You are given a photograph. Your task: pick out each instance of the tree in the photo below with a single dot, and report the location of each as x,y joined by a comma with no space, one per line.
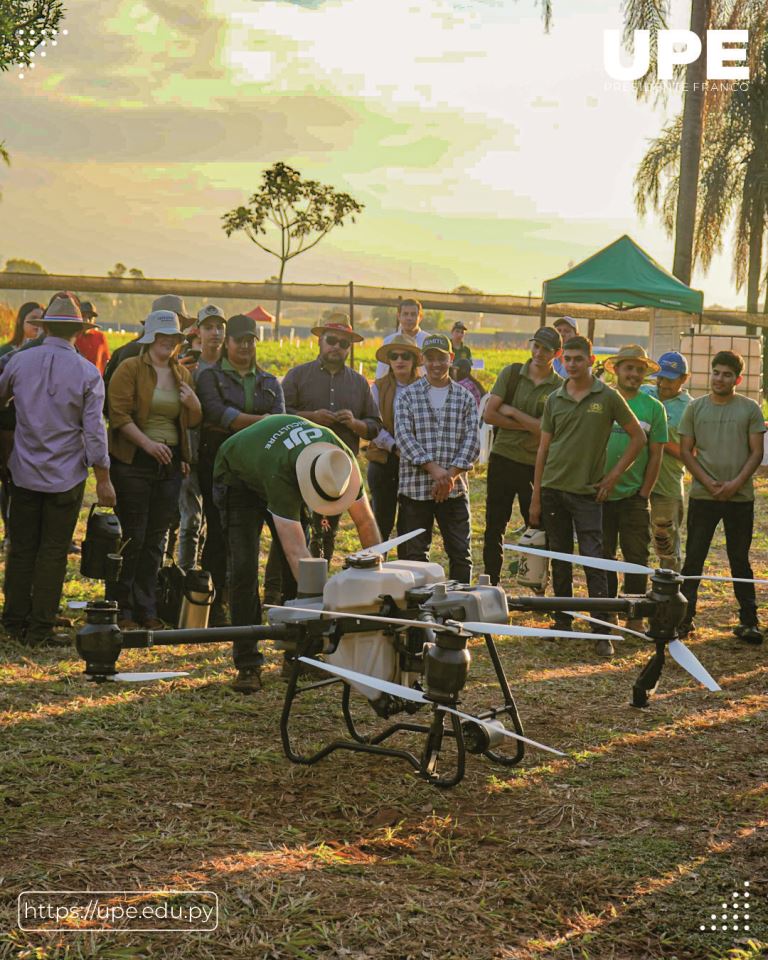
23,266
295,213
733,182
701,101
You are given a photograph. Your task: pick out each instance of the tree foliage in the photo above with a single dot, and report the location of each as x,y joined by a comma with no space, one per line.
733,184
17,265
24,24
289,215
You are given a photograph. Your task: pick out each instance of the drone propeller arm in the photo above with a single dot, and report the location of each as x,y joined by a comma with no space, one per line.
141,639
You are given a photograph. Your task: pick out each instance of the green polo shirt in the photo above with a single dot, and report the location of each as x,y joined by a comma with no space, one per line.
248,381
721,435
580,432
263,457
530,397
670,482
653,420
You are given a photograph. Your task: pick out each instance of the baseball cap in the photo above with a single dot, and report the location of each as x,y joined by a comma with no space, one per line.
459,325
548,337
437,341
570,321
242,326
672,365
211,310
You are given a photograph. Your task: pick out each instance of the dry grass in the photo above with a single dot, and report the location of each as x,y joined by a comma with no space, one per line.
622,850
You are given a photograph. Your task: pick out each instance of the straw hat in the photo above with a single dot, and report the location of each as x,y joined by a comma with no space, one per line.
631,351
337,323
403,341
329,479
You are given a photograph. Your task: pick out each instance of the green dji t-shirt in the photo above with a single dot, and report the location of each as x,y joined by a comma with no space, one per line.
670,482
521,445
580,432
721,435
653,420
263,457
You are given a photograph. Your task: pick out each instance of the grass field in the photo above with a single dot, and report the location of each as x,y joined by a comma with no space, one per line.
621,851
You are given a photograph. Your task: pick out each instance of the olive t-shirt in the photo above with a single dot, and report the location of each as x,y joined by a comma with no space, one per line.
653,420
521,445
263,457
720,433
580,432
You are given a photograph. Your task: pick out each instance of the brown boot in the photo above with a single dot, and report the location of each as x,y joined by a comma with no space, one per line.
247,680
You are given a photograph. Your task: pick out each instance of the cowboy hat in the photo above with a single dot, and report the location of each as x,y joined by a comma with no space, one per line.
337,323
631,351
404,342
329,478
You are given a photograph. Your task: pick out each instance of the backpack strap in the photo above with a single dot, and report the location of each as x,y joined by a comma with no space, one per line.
515,372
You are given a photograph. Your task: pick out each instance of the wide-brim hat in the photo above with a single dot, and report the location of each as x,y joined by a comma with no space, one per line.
63,310
337,323
329,479
161,321
631,351
404,342
174,303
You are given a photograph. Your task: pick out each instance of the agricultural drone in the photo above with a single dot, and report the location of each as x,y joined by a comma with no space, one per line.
396,633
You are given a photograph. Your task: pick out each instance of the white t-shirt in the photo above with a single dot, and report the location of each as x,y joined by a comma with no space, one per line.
437,397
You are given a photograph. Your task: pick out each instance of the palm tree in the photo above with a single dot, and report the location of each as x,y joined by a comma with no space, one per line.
700,102
733,183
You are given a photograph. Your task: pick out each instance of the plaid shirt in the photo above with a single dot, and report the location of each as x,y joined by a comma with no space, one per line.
449,437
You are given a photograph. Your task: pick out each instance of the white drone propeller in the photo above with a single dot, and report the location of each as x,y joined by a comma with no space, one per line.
617,566
387,545
452,626
679,652
416,696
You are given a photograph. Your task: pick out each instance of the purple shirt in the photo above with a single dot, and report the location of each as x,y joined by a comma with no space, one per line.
60,432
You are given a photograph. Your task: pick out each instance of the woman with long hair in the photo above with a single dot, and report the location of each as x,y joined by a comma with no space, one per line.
28,326
152,406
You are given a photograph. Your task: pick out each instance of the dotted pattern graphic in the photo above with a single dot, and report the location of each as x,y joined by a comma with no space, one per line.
735,916
42,43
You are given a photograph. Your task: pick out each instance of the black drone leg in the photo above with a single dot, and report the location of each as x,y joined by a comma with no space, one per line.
433,746
648,680
510,708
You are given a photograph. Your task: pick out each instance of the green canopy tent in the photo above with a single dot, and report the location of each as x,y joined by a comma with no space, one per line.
622,276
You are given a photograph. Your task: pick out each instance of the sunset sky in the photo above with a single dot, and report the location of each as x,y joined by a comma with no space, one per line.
486,152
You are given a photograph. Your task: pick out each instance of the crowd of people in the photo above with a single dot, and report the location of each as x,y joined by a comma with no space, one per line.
197,448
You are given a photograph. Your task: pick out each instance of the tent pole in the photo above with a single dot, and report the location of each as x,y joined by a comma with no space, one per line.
591,329
543,313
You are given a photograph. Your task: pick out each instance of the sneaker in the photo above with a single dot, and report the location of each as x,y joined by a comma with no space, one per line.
749,633
153,624
62,622
686,628
604,648
52,640
637,625
247,680
126,624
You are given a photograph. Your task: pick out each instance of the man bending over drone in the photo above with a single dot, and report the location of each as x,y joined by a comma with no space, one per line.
275,472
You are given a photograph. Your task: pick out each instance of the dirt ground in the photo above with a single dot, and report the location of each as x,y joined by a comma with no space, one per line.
628,848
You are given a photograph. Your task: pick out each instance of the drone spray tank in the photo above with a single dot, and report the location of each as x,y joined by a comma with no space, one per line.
358,588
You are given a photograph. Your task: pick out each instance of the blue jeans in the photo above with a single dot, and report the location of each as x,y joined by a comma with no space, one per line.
147,503
453,519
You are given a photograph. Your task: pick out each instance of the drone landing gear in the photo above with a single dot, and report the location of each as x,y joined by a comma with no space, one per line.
648,680
478,736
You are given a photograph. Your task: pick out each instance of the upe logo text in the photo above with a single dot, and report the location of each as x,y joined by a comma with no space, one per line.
677,48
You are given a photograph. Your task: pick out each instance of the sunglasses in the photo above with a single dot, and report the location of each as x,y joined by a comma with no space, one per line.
337,342
396,355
